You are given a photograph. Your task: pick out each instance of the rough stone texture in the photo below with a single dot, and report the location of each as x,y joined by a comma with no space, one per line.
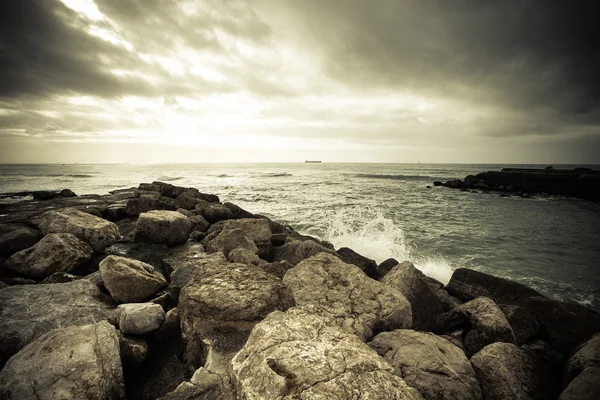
243,256
483,321
505,371
238,212
435,367
150,253
584,356
130,281
229,240
185,212
366,265
257,229
186,201
213,212
586,386
386,266
148,201
524,324
296,250
134,350
160,226
14,237
199,224
170,326
78,362
139,318
425,304
301,355
360,304
56,252
279,268
29,311
60,277
97,232
221,305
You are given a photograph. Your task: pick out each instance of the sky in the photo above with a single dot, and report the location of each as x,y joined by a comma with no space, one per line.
94,81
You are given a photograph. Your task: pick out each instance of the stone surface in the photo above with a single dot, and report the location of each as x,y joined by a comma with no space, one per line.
129,280
432,365
386,266
150,253
243,256
360,304
60,277
148,201
425,303
227,241
296,250
139,318
161,226
257,229
366,265
29,311
483,322
586,386
198,223
586,355
97,232
279,268
56,252
133,350
213,212
301,355
524,325
15,237
78,362
505,371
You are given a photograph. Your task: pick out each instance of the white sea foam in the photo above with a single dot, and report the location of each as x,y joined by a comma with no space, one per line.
368,232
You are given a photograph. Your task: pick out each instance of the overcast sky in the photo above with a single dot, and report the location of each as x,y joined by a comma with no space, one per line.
289,80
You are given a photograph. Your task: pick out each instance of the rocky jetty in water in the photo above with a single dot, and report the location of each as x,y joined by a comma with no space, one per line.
582,183
165,292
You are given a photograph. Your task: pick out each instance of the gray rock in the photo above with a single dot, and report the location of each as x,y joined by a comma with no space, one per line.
299,354
199,224
172,191
97,232
386,266
586,386
296,250
139,318
78,362
360,304
147,202
238,212
129,280
29,311
226,241
425,303
435,367
366,265
213,212
186,201
14,237
483,321
506,371
257,229
160,226
243,256
586,355
56,252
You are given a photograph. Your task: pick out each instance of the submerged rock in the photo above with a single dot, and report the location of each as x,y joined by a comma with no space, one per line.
160,226
129,280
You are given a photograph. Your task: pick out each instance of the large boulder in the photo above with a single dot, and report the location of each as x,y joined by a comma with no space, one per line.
160,226
97,232
220,306
483,322
585,356
435,367
229,240
366,265
78,362
14,237
301,355
139,318
425,302
360,304
585,386
29,311
506,371
257,229
129,280
56,252
147,201
295,251
150,253
524,325
213,212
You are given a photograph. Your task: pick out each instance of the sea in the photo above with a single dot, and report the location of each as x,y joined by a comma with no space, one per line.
549,243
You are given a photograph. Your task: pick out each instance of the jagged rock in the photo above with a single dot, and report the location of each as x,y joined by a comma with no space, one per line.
56,252
150,187
139,318
147,202
386,266
97,232
187,201
14,237
432,365
300,354
129,280
134,350
483,321
160,226
366,265
213,212
278,268
584,356
60,277
585,386
506,371
257,229
229,240
199,224
168,190
295,251
360,304
524,325
78,362
243,256
425,304
221,305
238,212
27,312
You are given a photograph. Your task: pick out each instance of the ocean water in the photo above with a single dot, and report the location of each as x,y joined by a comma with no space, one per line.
549,243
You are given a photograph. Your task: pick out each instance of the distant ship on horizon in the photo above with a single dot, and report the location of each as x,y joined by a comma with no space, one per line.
313,161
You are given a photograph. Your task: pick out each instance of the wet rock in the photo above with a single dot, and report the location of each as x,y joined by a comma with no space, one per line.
14,238
97,232
585,386
586,355
360,304
78,362
506,371
160,226
299,354
483,322
150,253
213,212
229,240
67,193
134,350
432,365
524,325
366,265
426,306
29,311
60,277
238,212
385,267
139,318
296,251
168,190
129,280
56,252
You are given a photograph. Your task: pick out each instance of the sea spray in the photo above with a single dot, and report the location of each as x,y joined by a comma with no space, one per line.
367,231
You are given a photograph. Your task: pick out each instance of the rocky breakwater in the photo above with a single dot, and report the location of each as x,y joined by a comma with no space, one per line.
164,292
579,182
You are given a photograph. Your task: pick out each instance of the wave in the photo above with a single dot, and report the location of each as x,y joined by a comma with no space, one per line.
79,176
398,177
275,175
224,176
368,232
165,178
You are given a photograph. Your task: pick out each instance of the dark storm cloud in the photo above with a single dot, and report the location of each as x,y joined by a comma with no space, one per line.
522,54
